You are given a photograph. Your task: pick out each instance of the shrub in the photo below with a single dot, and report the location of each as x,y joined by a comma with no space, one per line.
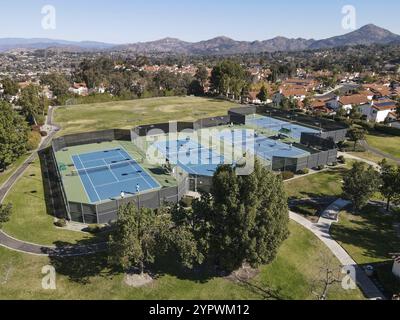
286,175
303,171
341,159
61,223
321,167
94,228
43,133
187,202
388,130
34,139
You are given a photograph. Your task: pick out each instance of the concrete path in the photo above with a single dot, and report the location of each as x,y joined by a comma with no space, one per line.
331,214
11,243
321,230
353,157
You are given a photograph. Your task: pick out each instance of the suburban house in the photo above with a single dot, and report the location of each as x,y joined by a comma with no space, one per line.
379,90
79,88
347,102
379,110
298,93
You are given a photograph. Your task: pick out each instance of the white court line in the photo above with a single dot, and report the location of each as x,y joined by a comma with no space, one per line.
91,182
109,184
159,185
97,160
80,178
109,168
145,180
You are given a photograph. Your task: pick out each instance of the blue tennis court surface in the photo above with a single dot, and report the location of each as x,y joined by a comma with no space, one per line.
259,145
191,156
105,174
291,129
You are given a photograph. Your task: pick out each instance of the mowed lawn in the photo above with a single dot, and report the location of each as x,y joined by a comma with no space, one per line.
326,183
290,276
127,114
30,220
385,143
11,169
369,236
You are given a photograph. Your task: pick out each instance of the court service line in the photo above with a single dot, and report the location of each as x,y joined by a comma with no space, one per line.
142,169
80,178
109,168
90,180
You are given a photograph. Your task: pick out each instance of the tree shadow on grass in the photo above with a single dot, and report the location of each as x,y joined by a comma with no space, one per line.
82,268
55,205
370,231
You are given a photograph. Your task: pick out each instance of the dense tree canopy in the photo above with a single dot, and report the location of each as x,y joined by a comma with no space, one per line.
390,186
228,77
13,135
360,183
33,104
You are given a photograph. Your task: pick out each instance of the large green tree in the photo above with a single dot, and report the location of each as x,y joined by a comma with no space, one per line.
5,213
32,103
263,94
390,186
355,135
10,87
13,135
57,82
246,217
228,77
135,241
360,184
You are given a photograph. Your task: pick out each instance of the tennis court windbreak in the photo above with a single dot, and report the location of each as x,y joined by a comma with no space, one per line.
106,212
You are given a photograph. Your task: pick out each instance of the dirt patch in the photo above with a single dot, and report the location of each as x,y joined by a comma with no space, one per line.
137,280
168,109
245,273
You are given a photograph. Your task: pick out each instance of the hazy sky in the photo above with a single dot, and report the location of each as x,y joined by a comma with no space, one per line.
121,21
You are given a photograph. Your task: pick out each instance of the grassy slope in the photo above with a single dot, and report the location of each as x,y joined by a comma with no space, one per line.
385,143
30,220
326,183
11,169
127,114
290,274
369,237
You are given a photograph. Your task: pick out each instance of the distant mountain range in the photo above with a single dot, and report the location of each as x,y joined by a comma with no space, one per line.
367,35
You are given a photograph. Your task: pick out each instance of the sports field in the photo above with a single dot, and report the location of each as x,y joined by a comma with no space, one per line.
99,172
277,126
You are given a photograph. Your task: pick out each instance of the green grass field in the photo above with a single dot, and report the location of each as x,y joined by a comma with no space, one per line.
385,143
30,220
11,169
369,237
290,275
326,183
127,114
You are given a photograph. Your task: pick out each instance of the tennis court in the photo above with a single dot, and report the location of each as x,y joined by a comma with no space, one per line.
251,142
190,156
108,173
292,130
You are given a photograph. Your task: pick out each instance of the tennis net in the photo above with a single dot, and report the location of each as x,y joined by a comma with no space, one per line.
131,166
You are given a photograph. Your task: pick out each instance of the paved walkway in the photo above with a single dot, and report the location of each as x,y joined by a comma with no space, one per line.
322,231
11,243
353,157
